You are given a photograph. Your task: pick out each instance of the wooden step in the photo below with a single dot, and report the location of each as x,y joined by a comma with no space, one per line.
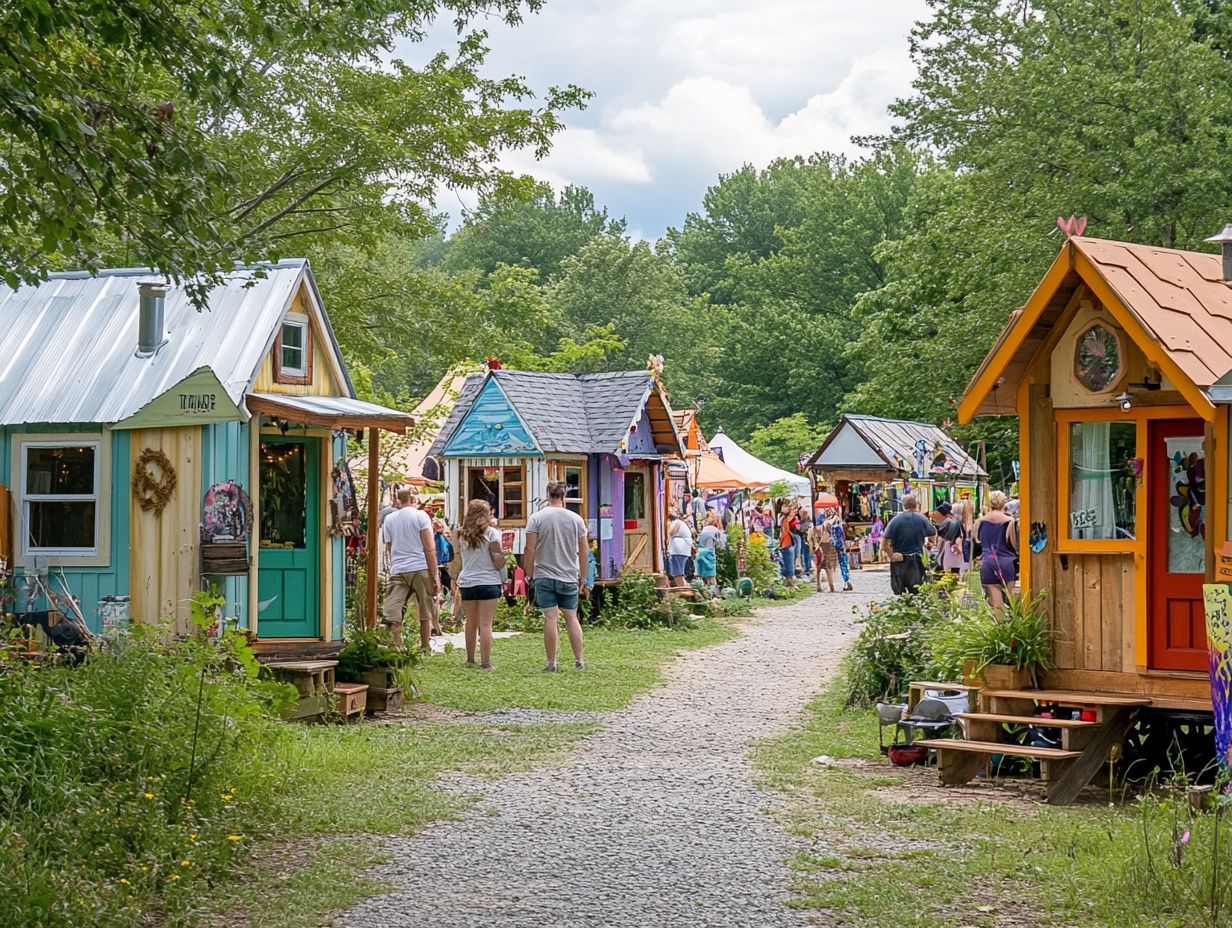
1066,698
1024,720
959,761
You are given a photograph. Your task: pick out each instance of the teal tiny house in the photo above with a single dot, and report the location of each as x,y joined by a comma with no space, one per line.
124,405
606,436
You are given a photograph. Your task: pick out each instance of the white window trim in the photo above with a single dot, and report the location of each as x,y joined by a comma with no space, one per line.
300,320
100,554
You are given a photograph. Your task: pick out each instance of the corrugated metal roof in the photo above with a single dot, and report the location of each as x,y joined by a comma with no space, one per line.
566,413
68,346
894,440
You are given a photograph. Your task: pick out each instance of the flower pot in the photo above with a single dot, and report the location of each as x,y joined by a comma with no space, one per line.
1003,677
380,678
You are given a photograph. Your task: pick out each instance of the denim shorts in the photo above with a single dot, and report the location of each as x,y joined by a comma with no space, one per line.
481,592
677,564
550,594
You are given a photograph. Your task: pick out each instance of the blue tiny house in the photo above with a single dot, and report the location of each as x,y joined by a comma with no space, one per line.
124,404
606,436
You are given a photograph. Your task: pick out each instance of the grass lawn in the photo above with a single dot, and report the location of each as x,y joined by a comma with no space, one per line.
890,848
619,665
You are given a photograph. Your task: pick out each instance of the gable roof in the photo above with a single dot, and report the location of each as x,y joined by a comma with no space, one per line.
1172,303
68,345
890,441
568,413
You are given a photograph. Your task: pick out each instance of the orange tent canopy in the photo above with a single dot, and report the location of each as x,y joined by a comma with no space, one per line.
713,474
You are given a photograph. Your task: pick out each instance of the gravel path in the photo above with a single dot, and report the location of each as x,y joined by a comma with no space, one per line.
656,822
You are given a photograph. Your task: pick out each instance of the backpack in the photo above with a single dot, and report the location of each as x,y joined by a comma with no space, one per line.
444,549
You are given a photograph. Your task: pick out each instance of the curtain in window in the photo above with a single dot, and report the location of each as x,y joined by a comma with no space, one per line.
1091,498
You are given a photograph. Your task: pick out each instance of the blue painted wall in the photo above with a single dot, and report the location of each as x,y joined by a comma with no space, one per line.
491,428
88,584
641,441
224,453
338,557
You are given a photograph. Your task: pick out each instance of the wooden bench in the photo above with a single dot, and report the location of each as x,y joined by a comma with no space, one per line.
313,680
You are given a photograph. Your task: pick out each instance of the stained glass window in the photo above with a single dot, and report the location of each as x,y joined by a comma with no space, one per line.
1097,359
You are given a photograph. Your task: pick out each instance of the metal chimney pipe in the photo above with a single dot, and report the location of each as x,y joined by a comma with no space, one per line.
151,320
1224,238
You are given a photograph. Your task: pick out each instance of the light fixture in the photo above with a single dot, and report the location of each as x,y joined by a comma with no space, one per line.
1126,400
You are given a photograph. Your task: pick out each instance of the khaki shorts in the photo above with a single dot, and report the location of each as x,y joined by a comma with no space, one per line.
417,583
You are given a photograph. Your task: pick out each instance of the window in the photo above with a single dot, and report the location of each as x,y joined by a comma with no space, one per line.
573,476
293,350
61,486
504,488
1103,480
1097,359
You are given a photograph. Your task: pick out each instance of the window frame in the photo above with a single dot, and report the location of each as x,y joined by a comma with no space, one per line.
505,521
99,554
558,471
1140,416
298,376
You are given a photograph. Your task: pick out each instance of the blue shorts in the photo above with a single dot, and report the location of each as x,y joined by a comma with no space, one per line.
552,594
677,564
484,591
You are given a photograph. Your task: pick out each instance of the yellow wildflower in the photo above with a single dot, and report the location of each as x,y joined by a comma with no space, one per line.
125,882
173,877
149,795
185,863
234,838
193,837
227,797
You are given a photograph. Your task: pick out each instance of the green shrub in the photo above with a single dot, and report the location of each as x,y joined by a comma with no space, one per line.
757,564
126,782
894,647
727,558
635,603
1017,634
369,648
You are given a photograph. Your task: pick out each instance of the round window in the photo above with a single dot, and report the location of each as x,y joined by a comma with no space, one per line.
1097,359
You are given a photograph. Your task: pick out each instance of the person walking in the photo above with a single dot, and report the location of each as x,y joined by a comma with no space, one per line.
903,543
997,533
679,549
709,540
838,538
951,535
481,579
556,560
411,557
788,523
874,537
824,557
804,555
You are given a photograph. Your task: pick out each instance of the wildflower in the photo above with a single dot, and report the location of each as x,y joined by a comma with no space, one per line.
193,837
173,877
234,838
125,882
227,797
149,795
185,863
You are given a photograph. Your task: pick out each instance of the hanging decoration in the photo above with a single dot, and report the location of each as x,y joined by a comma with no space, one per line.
153,488
227,513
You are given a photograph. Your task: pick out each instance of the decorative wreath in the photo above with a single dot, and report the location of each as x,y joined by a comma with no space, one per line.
153,492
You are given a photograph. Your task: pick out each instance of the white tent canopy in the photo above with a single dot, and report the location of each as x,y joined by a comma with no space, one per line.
741,461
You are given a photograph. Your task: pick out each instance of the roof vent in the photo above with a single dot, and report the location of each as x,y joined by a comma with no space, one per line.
1224,238
152,322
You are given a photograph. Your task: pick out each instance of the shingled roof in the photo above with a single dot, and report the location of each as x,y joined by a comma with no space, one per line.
893,441
566,413
1176,307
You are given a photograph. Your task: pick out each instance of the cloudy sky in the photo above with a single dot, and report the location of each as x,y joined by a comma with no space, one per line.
688,89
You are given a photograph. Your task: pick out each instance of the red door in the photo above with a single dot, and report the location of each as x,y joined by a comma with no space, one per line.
1176,545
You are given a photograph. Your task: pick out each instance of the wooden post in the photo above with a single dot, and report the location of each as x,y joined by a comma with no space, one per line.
374,516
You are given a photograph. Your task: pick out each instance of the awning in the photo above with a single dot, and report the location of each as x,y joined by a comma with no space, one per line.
714,474
335,412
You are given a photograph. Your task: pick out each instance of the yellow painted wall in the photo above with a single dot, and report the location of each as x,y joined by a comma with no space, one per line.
323,381
163,555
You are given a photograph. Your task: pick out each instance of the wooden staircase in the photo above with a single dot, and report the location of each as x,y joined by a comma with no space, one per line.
1085,743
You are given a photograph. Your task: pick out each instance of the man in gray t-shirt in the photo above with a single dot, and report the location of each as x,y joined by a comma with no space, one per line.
555,562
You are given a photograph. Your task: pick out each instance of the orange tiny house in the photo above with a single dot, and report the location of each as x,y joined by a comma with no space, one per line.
1119,368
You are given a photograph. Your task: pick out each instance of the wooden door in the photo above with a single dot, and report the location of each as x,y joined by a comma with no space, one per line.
639,519
288,575
1176,546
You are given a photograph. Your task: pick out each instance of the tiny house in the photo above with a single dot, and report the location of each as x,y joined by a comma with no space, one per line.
1119,368
607,437
137,431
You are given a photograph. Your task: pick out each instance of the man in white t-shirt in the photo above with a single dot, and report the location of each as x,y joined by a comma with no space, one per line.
410,553
555,561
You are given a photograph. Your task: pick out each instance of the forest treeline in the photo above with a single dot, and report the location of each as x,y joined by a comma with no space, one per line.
187,135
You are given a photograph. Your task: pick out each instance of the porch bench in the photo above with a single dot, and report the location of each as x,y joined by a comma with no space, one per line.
313,680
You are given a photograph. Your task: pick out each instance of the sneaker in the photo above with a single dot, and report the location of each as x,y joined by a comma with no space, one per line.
487,666
848,588
579,665
549,668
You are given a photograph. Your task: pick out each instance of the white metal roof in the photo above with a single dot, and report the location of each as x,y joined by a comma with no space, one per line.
68,346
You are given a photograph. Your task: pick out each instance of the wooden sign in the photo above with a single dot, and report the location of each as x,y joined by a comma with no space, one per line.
1223,563
198,399
1217,598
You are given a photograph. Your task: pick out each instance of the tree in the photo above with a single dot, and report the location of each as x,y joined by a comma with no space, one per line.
538,230
188,135
783,441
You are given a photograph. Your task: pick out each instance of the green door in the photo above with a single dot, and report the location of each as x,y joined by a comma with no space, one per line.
288,576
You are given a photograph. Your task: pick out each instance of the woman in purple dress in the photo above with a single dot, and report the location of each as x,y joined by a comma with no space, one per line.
998,536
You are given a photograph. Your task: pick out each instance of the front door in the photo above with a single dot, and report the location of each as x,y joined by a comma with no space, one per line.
288,575
1176,546
639,515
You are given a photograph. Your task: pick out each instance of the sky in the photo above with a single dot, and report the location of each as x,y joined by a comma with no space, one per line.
688,89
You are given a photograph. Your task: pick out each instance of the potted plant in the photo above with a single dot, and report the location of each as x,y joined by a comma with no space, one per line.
1004,648
369,657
